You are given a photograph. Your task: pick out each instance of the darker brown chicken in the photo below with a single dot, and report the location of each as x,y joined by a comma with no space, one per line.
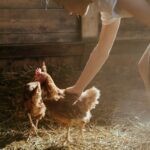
70,109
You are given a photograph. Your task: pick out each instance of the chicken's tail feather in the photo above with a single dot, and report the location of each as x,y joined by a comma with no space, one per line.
89,98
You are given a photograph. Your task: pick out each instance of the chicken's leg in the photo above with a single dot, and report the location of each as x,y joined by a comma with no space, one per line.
32,124
81,131
68,139
36,123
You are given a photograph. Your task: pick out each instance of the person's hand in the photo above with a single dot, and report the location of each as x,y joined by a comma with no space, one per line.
73,90
70,96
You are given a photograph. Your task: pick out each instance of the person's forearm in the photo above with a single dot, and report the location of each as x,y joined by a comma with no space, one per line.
98,56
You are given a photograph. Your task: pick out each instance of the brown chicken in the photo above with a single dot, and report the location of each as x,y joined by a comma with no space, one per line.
49,89
33,103
70,110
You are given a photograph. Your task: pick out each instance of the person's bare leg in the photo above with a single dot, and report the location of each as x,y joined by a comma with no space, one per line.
144,69
140,9
98,57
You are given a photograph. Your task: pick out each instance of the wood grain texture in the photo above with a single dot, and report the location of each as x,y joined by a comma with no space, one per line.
38,38
90,23
37,21
27,4
32,14
131,29
37,25
42,50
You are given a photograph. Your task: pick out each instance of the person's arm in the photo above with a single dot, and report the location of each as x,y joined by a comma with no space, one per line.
140,9
98,56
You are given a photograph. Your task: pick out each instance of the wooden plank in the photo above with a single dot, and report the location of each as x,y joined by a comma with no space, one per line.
34,14
51,62
131,29
38,38
133,35
37,26
129,47
41,26
133,25
37,21
90,23
27,4
42,50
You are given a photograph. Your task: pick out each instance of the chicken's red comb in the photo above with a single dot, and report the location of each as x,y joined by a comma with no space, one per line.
37,72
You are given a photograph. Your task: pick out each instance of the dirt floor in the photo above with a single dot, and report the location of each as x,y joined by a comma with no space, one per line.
120,122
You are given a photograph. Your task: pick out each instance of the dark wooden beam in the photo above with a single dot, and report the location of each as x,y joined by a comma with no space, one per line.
42,50
38,38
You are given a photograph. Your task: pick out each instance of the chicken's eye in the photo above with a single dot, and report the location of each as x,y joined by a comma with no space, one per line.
71,13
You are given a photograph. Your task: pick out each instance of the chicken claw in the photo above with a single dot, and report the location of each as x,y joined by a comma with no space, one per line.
68,138
34,129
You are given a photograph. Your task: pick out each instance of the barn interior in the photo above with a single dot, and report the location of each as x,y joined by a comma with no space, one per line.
33,31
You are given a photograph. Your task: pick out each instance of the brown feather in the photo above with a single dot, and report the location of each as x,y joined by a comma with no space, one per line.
72,108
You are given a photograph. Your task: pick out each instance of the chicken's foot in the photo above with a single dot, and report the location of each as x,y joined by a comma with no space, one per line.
34,128
68,138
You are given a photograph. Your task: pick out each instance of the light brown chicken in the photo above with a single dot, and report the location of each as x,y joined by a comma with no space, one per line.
70,110
49,89
33,103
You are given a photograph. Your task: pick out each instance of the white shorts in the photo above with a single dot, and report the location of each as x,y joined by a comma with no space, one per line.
109,12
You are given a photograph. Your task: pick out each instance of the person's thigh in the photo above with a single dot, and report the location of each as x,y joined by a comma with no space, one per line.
140,9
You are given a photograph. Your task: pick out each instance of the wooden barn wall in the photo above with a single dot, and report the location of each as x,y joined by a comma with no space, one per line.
29,32
28,21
